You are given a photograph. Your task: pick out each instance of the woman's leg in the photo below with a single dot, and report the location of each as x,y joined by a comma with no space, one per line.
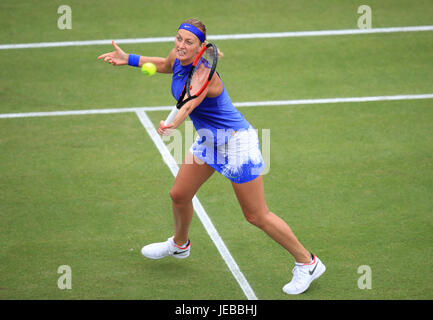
251,197
192,174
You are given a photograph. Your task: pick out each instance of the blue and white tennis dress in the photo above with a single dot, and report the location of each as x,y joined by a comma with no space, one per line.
226,141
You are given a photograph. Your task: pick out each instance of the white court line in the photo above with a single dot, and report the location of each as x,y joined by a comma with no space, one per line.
236,104
201,213
81,112
334,100
291,34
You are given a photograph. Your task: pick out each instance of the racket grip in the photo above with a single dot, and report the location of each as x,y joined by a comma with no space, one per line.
171,116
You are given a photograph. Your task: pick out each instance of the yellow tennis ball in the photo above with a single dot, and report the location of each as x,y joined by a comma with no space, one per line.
148,69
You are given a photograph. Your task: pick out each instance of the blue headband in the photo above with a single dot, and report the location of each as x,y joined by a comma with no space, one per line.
196,31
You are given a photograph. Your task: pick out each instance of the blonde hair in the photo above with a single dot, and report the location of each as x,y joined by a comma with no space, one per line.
200,25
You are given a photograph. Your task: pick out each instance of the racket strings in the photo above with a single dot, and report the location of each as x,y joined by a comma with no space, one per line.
199,78
201,72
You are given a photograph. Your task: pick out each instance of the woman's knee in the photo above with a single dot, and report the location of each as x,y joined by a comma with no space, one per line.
257,218
179,197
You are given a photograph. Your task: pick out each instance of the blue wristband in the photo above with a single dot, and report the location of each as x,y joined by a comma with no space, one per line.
133,60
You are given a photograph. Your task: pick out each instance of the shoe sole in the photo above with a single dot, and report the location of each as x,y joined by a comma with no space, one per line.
150,257
177,256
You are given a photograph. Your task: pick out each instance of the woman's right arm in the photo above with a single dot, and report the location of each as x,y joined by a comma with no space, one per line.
119,58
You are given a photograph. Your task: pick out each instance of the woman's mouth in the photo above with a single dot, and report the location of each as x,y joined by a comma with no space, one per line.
181,52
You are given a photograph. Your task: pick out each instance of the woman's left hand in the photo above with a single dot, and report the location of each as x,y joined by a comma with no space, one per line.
117,57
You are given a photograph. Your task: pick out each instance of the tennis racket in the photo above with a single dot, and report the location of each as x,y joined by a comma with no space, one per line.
203,68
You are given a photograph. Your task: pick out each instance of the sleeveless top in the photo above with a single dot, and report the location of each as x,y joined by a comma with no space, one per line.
217,113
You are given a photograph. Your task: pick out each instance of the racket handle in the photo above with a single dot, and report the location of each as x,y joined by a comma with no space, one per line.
171,116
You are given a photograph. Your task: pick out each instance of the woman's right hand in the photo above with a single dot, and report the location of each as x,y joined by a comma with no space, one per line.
117,57
165,130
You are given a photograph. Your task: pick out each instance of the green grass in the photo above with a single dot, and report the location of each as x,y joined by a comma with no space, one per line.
353,180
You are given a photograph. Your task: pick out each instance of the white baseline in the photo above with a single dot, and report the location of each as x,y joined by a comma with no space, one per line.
290,34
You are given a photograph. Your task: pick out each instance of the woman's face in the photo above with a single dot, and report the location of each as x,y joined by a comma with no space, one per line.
187,45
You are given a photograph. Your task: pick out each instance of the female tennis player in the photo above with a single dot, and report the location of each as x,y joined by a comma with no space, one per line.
235,154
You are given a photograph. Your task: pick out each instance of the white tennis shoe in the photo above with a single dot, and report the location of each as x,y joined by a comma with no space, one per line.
168,248
303,275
